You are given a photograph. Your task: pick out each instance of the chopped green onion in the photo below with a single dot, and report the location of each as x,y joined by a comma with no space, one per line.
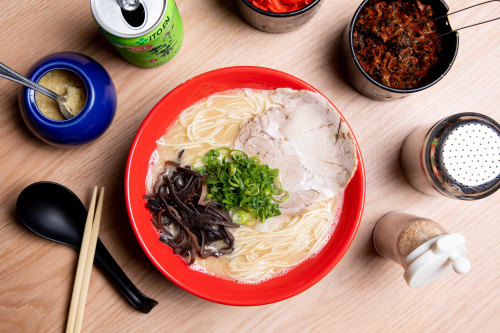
242,217
241,184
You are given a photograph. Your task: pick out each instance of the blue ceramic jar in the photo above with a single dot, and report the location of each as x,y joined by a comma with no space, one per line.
93,119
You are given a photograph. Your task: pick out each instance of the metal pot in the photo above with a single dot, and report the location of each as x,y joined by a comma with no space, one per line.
365,84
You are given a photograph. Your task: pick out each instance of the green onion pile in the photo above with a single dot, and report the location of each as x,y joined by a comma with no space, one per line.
251,191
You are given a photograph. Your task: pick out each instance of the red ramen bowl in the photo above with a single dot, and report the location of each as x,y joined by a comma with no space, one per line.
206,286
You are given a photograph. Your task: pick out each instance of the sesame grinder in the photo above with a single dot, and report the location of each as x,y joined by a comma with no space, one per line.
425,250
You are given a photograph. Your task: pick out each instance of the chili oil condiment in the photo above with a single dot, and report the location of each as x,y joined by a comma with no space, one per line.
396,42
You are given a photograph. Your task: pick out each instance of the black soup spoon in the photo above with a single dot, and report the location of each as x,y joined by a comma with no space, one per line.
54,212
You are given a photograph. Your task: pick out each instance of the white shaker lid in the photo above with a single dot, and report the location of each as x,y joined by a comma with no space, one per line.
436,258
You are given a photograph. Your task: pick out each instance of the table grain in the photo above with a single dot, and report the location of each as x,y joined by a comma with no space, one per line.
363,293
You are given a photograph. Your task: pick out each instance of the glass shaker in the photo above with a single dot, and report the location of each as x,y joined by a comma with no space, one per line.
458,157
421,246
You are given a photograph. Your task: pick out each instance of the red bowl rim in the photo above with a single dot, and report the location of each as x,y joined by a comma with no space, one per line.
208,296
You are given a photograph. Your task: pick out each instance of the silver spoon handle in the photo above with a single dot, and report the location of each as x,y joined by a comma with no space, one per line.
10,74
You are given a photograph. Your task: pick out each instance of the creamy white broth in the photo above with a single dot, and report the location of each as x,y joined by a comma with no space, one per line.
259,254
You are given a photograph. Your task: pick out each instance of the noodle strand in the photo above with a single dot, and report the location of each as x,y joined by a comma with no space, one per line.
215,122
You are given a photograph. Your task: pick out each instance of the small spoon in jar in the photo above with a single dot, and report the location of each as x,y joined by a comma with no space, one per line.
10,74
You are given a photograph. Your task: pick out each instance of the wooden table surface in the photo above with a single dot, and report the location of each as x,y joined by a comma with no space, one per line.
363,293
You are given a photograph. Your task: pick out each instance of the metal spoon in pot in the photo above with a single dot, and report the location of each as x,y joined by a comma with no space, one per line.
54,212
10,74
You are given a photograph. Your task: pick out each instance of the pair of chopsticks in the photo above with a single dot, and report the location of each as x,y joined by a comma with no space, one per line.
85,263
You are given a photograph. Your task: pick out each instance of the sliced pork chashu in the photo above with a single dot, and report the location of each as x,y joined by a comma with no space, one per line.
304,137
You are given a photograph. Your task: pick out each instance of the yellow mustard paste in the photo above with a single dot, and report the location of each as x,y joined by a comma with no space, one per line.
61,82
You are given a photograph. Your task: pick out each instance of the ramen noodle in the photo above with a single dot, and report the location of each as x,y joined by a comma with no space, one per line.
263,250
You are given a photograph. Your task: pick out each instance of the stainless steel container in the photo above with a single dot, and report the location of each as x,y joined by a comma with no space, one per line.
369,87
458,157
276,22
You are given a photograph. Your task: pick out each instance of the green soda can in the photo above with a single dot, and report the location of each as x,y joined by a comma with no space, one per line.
148,36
